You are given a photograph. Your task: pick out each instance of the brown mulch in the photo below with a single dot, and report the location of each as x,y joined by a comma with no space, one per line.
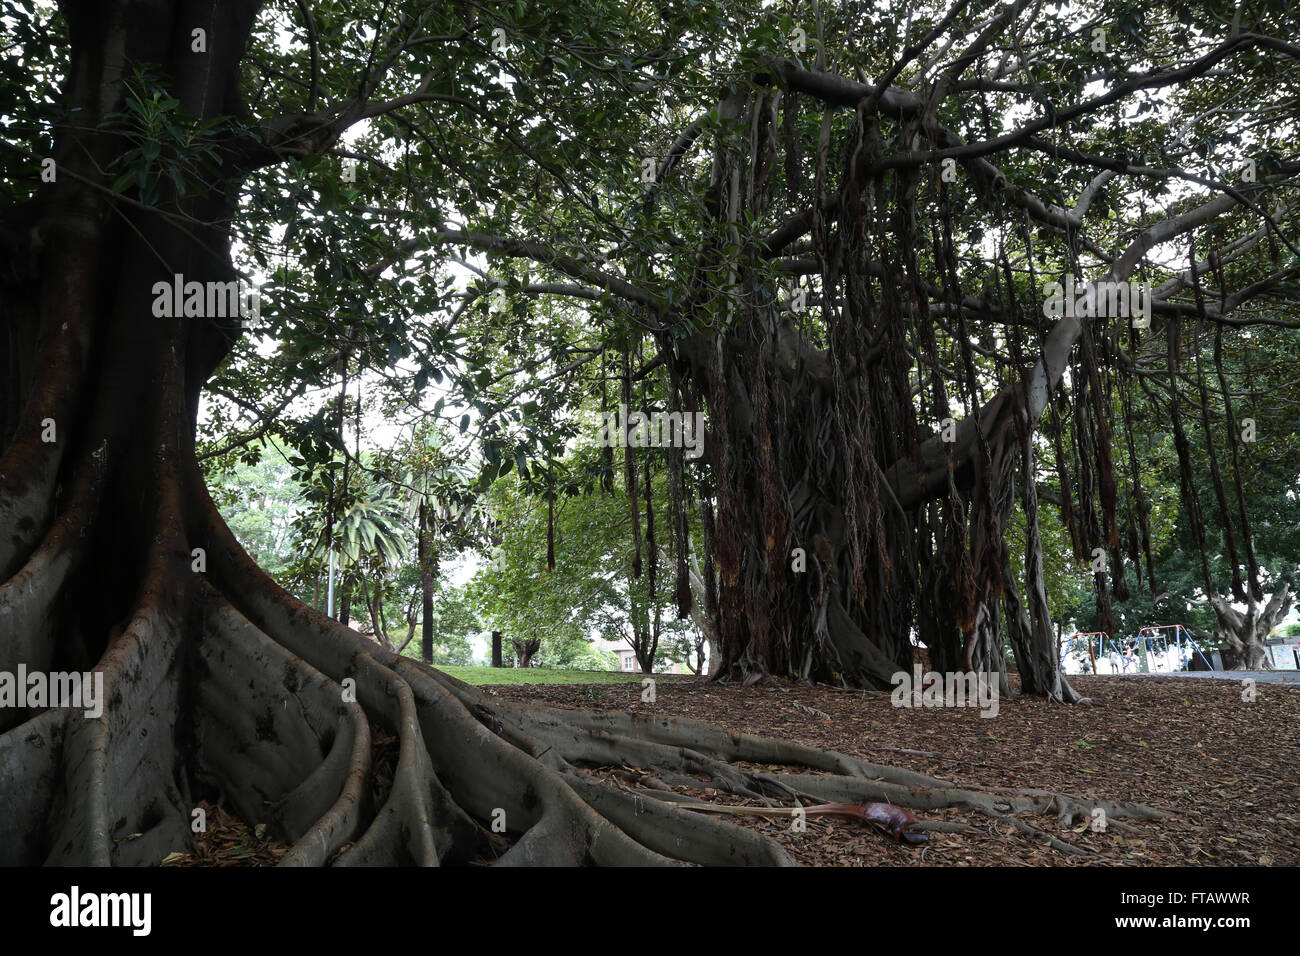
229,841
1229,770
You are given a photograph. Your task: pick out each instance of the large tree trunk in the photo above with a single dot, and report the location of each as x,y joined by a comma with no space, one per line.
424,559
426,605
524,651
642,647
825,559
345,604
847,513
1246,633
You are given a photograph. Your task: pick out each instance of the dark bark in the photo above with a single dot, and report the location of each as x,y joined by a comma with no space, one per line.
525,650
818,544
424,558
828,551
645,644
345,603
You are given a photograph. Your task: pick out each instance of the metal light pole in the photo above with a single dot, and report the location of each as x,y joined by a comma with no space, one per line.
329,600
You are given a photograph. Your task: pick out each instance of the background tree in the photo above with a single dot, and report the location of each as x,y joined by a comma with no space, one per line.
445,510
261,502
1208,564
362,525
455,621
565,565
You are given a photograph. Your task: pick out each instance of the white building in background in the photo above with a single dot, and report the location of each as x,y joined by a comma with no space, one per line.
627,662
1283,653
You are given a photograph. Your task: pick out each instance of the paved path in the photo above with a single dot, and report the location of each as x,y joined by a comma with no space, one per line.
1261,677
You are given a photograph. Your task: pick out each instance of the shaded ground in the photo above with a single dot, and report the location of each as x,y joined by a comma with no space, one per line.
1263,677
1228,769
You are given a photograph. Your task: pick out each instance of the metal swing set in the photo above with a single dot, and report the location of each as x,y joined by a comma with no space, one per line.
1150,646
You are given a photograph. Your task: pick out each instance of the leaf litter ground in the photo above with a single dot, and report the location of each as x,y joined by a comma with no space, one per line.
1228,770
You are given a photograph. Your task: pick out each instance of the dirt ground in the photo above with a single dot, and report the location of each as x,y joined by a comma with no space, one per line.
1228,769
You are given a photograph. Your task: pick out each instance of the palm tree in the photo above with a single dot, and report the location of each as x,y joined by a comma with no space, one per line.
444,507
372,525
366,535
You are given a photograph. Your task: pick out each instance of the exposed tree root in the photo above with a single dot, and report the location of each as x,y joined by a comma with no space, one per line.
1029,828
28,597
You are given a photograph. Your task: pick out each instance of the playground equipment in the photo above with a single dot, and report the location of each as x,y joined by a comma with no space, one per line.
1150,651
1150,639
1086,639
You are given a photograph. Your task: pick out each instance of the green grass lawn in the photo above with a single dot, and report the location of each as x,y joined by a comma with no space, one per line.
543,675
